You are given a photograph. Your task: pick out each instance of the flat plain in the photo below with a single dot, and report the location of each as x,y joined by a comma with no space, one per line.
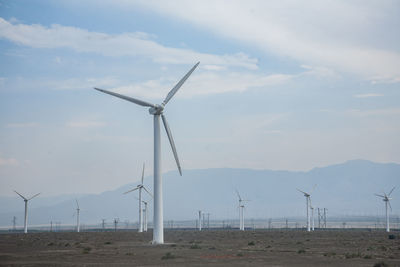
209,247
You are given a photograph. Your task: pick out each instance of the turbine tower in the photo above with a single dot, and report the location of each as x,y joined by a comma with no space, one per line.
312,216
157,111
140,187
26,209
386,199
241,211
77,216
308,200
199,226
145,216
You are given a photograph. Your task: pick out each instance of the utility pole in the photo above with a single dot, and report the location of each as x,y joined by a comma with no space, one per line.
319,219
208,220
51,226
287,224
103,222
204,219
115,224
325,217
269,223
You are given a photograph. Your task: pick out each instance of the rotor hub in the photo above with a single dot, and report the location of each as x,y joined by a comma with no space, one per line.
156,110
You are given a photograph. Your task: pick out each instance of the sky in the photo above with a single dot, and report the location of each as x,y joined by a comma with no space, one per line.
281,85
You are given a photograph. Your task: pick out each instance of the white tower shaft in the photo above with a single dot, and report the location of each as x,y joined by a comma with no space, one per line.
140,211
387,217
312,219
199,226
158,231
77,221
308,214
26,217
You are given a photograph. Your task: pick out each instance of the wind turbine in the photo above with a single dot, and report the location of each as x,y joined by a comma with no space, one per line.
26,209
199,226
145,216
387,199
140,187
77,216
241,211
308,203
312,216
157,111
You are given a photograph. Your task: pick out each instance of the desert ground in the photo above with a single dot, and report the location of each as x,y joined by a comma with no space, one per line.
209,247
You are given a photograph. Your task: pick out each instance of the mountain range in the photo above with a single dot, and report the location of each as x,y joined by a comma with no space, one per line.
344,189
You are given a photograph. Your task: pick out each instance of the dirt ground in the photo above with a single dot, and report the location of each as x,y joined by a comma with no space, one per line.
193,248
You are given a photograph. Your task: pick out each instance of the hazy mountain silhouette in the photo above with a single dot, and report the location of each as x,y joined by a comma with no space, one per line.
344,189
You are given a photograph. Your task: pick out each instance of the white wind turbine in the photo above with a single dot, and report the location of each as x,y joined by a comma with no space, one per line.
386,199
157,111
140,187
26,209
312,216
308,204
145,216
199,226
77,216
241,211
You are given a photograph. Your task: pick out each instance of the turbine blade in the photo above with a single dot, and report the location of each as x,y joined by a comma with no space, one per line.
136,188
302,191
143,174
379,195
130,99
391,191
20,195
390,206
147,191
34,196
237,192
171,141
178,85
77,204
313,188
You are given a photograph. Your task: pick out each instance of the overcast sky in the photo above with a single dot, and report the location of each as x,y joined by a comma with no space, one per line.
282,85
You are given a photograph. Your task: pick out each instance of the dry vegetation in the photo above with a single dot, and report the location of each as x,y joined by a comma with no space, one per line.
216,248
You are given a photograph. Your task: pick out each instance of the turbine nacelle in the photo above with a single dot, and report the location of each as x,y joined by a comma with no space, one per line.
156,110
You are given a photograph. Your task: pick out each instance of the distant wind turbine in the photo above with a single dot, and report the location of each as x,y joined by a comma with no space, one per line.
145,216
157,111
312,216
386,199
140,187
241,211
26,209
308,203
77,216
199,226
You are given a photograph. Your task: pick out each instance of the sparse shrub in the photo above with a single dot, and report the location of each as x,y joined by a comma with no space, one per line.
67,245
352,255
392,237
212,248
381,264
251,243
50,244
129,253
299,243
329,254
301,251
86,250
168,256
195,246
383,248
239,255
107,243
367,257
173,245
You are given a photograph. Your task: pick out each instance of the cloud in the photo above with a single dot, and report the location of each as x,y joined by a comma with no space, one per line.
334,34
374,112
85,124
22,125
205,83
125,44
367,95
8,161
